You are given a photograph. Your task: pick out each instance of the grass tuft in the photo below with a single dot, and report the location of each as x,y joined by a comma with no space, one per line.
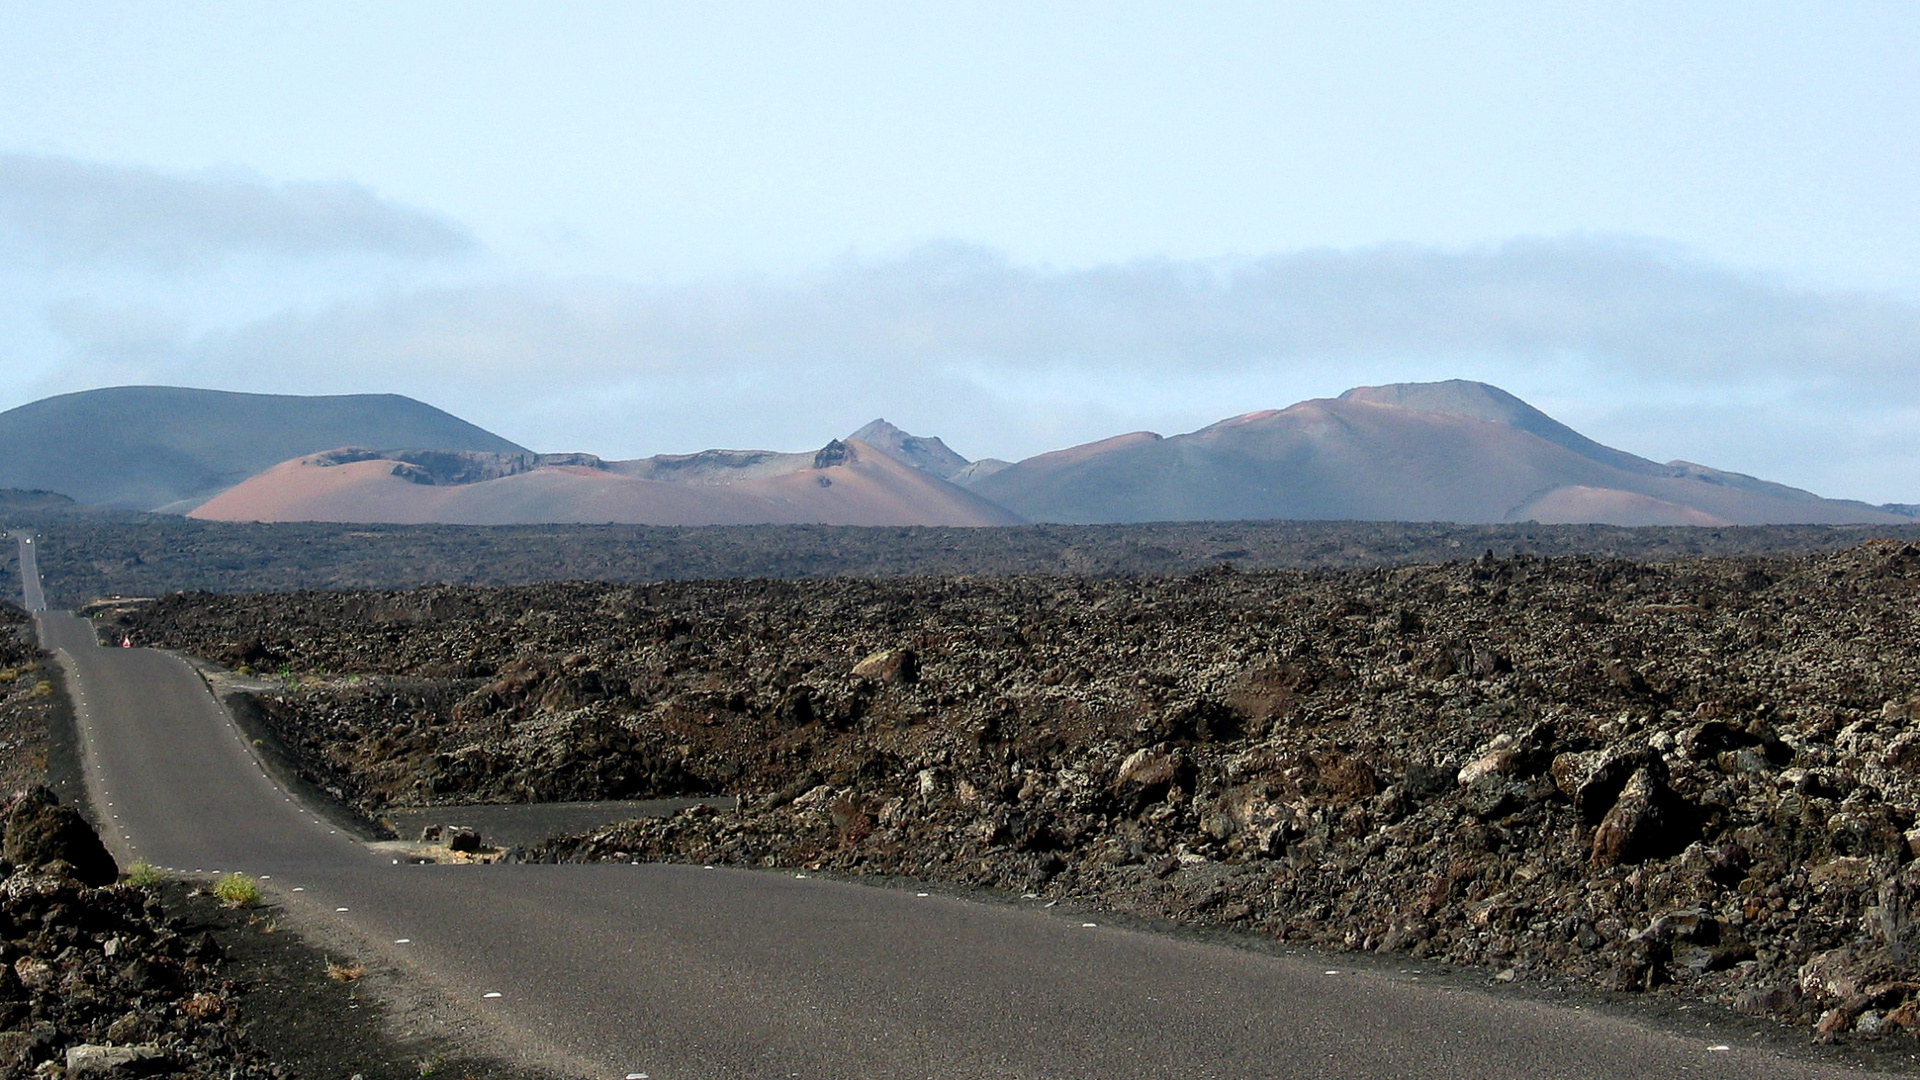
144,875
344,970
237,891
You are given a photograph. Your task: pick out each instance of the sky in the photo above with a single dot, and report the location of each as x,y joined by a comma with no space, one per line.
1686,230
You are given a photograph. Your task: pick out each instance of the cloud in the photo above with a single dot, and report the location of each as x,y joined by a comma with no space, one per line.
1604,302
1009,359
72,211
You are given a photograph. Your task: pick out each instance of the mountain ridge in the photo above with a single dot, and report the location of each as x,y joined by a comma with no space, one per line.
1457,450
161,447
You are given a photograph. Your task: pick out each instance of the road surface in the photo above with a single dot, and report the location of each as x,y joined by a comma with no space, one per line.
31,595
680,972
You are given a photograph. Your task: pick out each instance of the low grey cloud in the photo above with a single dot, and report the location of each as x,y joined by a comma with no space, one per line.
1008,359
1608,303
65,211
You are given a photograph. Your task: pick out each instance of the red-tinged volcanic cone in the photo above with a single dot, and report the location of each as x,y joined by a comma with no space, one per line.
1456,451
848,484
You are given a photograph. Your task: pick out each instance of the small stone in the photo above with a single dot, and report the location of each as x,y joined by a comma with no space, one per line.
130,1028
1833,1022
1766,1001
88,1061
898,666
34,973
1497,761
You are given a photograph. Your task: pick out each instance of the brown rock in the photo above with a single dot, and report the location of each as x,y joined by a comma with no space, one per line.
1497,761
1595,781
34,973
1767,1001
1834,1021
1846,872
1569,769
1645,822
1149,775
1834,973
1905,1016
897,666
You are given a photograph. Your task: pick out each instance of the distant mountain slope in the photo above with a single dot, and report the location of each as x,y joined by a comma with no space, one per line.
848,483
928,453
152,447
1479,401
1455,451
920,451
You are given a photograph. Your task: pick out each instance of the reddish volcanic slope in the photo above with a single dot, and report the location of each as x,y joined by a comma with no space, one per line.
1393,454
848,484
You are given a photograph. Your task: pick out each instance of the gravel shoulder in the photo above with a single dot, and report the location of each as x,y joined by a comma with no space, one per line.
326,1007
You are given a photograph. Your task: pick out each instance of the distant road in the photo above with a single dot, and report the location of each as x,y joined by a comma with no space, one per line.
35,599
678,972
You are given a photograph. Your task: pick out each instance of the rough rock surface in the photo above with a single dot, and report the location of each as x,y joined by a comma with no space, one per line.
40,832
89,553
1698,777
25,696
94,981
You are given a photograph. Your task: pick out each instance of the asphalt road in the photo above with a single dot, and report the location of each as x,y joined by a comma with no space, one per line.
32,596
681,972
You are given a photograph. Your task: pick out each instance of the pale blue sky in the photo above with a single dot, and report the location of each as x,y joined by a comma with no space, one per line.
633,228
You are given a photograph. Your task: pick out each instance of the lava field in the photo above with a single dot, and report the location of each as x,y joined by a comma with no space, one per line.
1696,777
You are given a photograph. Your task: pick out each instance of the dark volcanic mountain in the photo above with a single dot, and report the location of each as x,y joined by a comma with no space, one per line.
920,451
155,447
1452,451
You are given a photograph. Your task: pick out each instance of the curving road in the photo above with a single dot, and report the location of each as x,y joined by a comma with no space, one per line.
679,972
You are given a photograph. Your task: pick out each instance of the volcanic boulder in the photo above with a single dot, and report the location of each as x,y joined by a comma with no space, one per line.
39,831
